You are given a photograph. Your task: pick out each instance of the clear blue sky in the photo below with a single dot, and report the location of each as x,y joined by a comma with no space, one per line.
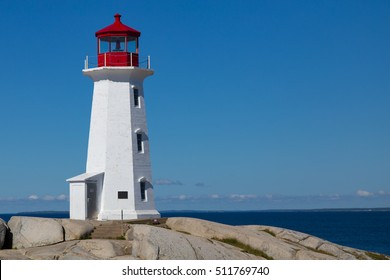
253,105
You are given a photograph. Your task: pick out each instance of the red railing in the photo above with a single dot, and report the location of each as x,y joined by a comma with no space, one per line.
117,59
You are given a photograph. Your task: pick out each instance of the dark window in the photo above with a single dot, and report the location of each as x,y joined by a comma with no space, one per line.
136,97
122,195
143,191
139,142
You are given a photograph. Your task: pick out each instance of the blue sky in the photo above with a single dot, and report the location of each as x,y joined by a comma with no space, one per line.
253,104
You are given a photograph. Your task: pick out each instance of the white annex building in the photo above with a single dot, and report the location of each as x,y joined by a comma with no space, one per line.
118,180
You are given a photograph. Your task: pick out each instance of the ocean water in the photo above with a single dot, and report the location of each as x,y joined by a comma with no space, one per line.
366,229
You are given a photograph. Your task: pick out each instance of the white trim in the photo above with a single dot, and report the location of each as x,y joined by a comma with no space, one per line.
84,177
142,179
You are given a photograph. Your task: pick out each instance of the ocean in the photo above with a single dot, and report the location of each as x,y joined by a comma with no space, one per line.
366,229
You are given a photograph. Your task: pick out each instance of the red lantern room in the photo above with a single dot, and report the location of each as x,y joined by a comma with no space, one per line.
117,45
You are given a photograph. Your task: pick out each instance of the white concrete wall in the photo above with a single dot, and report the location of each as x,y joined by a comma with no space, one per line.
78,197
97,142
119,155
142,168
78,189
112,146
99,188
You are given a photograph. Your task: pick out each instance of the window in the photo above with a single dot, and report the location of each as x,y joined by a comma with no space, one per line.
136,97
122,195
117,44
112,44
143,190
140,145
104,45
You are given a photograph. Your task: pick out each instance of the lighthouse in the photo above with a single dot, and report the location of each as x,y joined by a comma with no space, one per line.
117,183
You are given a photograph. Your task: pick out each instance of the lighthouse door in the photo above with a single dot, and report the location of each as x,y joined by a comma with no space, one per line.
91,201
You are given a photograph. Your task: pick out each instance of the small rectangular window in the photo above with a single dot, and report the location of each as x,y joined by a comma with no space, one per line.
139,143
136,97
122,195
143,191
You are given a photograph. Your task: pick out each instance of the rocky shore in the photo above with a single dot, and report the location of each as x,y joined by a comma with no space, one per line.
24,238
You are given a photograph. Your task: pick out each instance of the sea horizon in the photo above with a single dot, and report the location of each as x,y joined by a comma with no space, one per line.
258,210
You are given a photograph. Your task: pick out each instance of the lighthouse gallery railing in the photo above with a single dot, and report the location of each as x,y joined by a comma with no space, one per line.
92,62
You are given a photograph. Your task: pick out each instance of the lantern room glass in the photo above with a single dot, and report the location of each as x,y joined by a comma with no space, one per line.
117,44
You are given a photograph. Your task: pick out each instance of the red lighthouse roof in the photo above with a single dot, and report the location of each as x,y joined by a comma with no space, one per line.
117,29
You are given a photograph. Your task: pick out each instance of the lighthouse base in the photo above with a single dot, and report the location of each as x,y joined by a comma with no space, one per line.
128,214
85,201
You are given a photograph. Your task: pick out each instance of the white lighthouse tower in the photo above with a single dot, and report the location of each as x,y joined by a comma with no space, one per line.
118,179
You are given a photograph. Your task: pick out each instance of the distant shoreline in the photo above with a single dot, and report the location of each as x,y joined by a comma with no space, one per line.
227,211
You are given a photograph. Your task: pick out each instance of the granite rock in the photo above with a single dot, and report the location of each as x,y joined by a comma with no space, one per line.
76,229
177,239
275,243
153,243
73,250
3,232
33,232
